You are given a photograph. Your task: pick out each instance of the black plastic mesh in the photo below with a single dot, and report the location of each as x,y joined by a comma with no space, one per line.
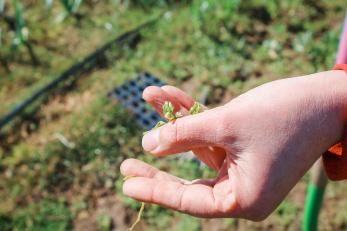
129,95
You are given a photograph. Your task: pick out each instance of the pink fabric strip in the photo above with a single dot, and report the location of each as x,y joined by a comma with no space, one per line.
341,57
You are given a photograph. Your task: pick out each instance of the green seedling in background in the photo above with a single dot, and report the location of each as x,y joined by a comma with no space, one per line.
2,6
48,3
71,6
21,31
104,223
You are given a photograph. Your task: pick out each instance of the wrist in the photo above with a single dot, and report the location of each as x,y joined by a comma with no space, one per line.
337,86
333,95
335,160
330,91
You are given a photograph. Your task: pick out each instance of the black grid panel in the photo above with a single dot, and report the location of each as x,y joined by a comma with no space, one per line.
129,95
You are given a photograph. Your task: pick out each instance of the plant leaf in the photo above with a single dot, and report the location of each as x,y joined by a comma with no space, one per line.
49,3
2,6
21,31
168,110
76,4
196,108
178,115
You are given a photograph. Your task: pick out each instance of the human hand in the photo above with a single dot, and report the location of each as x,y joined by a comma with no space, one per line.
261,143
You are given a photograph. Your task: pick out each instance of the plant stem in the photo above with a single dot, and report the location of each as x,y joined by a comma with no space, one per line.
138,219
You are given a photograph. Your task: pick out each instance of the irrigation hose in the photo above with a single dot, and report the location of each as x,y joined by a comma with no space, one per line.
127,36
313,204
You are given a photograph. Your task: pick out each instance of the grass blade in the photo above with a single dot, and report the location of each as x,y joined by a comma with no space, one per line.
48,4
2,6
76,5
21,33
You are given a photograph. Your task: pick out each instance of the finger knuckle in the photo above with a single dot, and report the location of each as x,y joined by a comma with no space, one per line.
170,134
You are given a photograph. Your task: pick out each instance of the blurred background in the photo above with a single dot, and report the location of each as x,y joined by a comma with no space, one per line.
60,157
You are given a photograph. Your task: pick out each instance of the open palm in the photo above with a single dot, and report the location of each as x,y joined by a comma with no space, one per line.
261,143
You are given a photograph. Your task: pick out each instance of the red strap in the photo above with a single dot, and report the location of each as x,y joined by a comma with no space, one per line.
342,67
337,149
334,162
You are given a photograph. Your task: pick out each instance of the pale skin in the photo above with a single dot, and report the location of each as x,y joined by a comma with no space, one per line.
260,143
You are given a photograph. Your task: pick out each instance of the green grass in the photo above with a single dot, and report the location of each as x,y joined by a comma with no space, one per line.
228,47
46,215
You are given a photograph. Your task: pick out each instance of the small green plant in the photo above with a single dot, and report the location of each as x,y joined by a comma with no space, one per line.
46,215
168,112
20,36
70,9
21,30
196,108
48,3
71,6
2,6
104,222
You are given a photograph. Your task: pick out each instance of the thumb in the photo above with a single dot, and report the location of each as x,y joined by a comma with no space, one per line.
186,133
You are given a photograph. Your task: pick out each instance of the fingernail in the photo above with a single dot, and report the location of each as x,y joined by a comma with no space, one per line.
151,140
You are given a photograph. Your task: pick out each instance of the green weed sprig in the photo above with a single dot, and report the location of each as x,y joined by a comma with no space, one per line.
196,108
168,112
